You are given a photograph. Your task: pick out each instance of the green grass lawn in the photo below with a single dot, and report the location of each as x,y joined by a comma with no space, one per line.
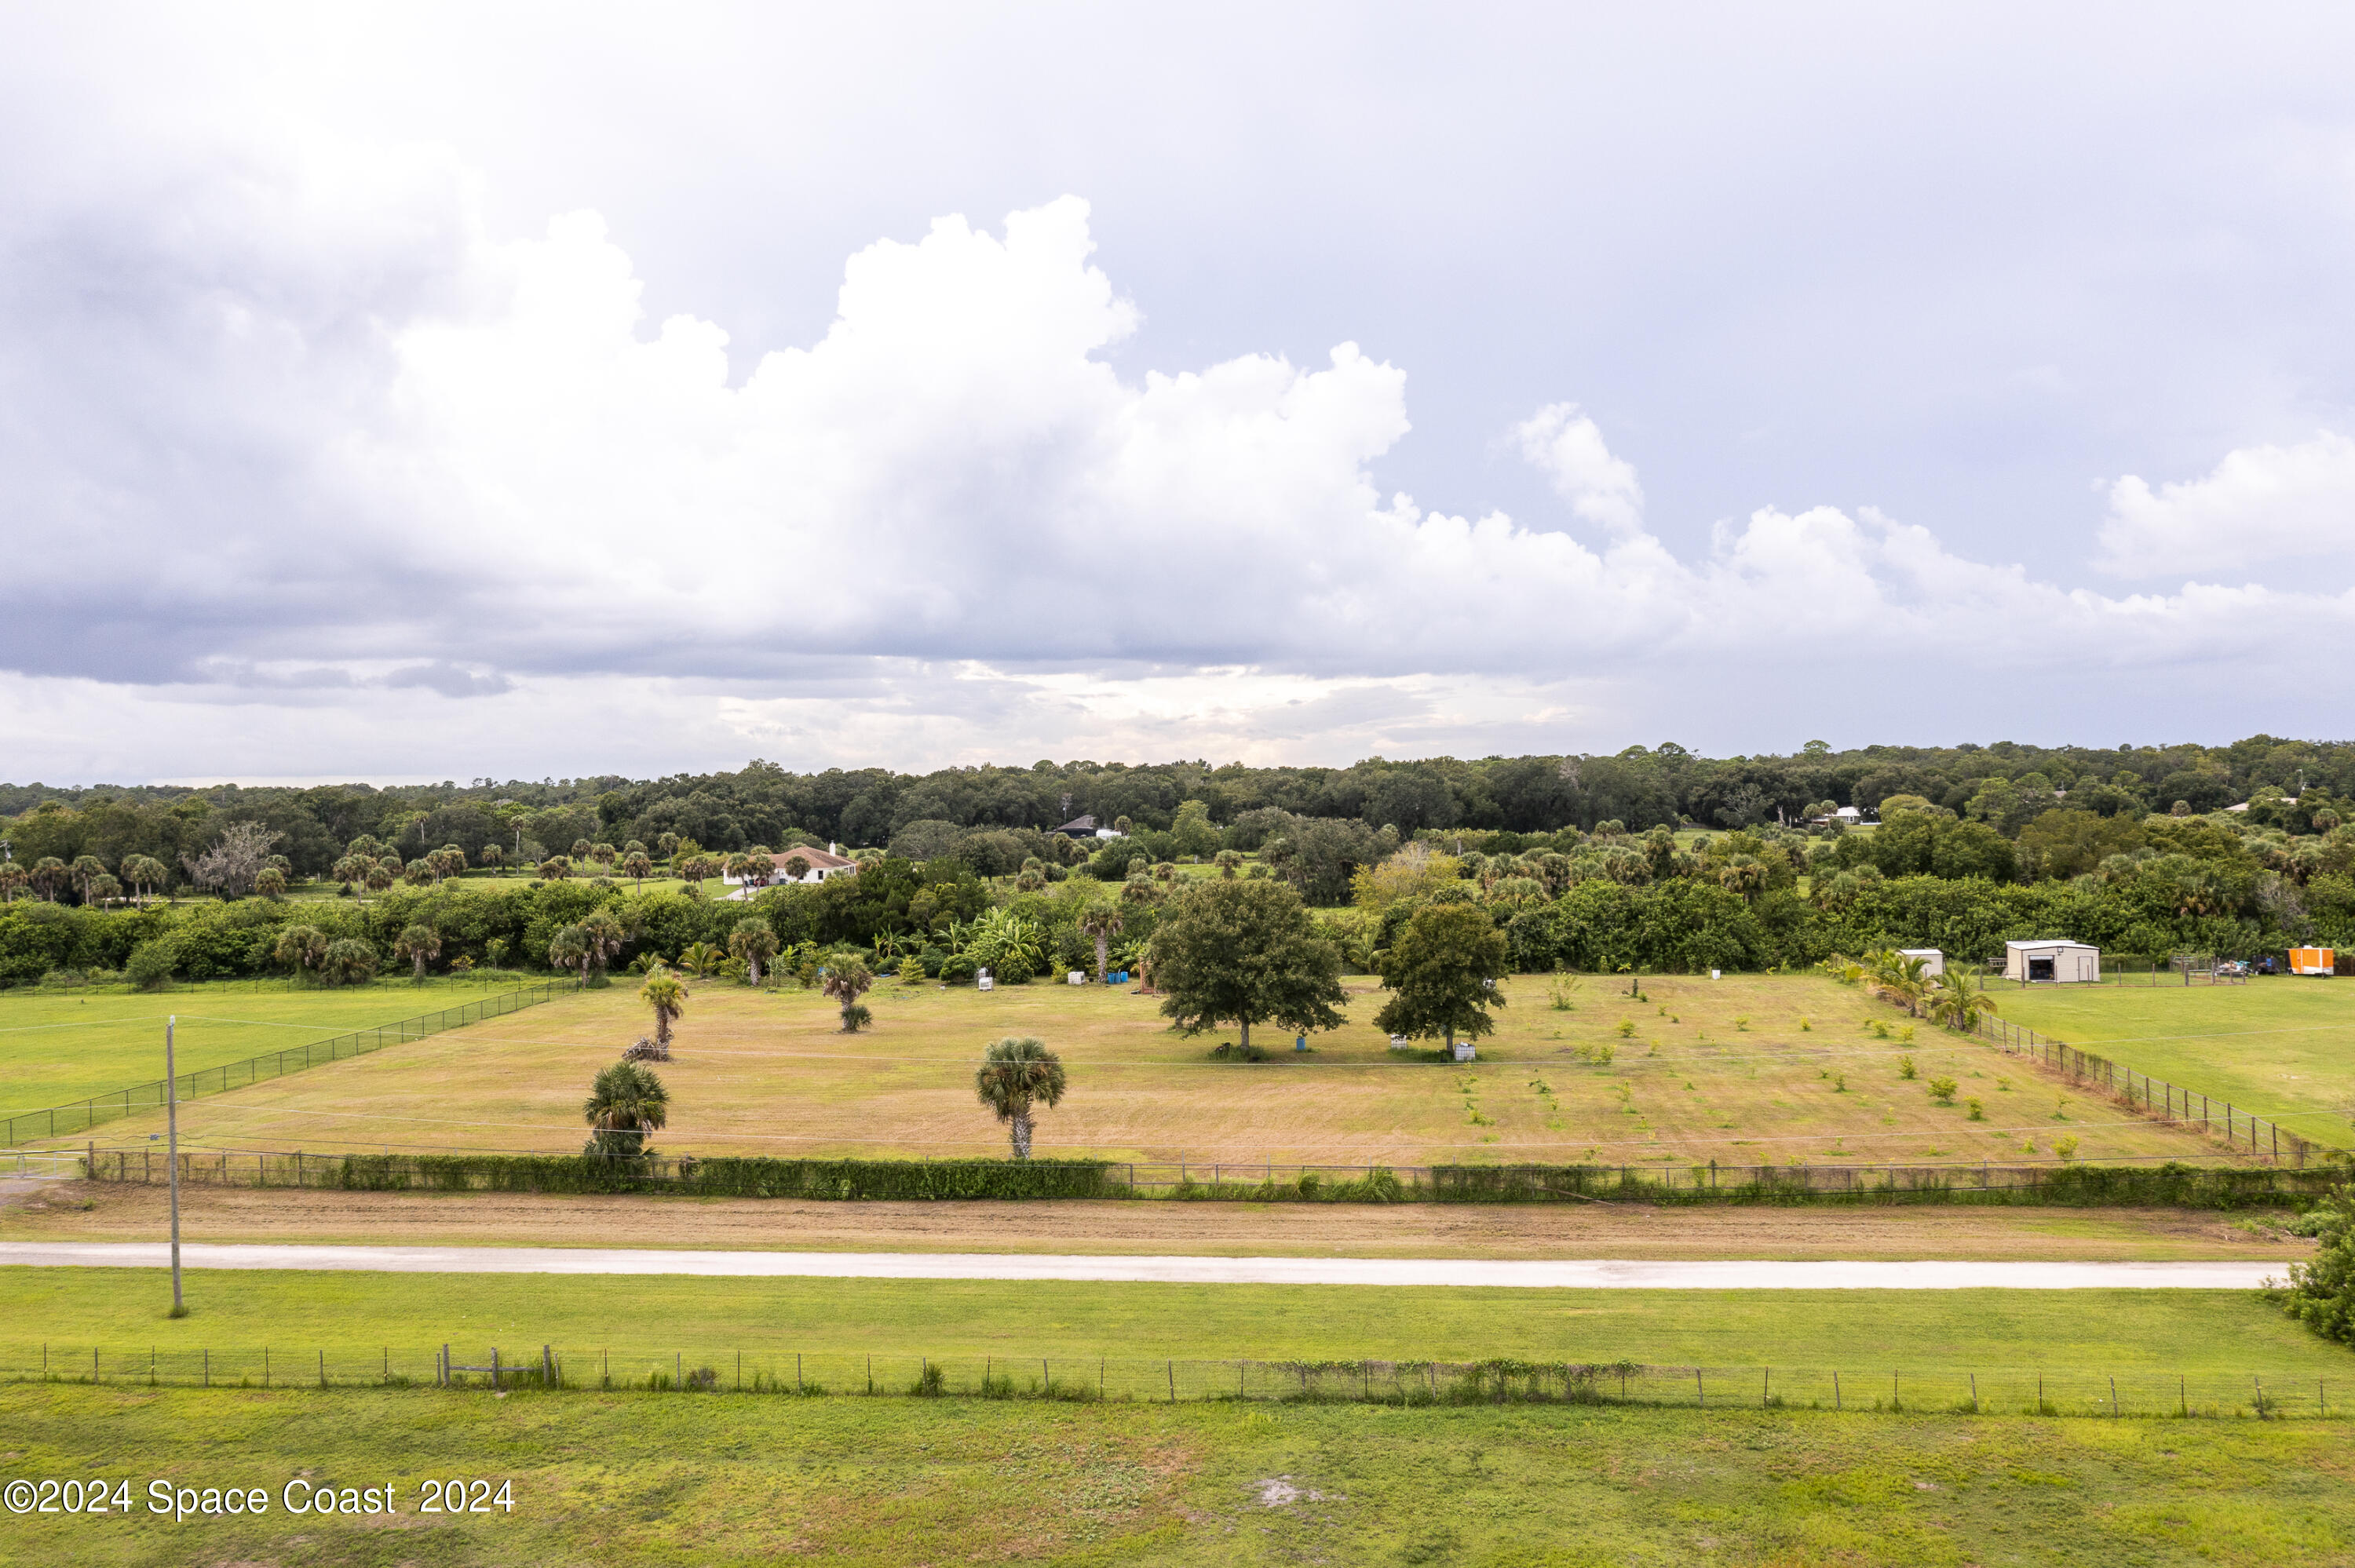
2223,1334
615,1480
2282,1047
58,1046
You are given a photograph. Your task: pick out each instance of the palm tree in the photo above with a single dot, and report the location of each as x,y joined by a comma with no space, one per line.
299,947
604,854
1165,872
753,942
1015,1073
490,855
556,868
12,877
1227,861
606,938
144,872
847,979
1100,924
667,845
580,848
795,867
84,868
348,963
50,873
380,877
1138,889
668,997
419,944
1031,882
625,1103
103,889
1956,1004
700,959
637,868
270,882
569,950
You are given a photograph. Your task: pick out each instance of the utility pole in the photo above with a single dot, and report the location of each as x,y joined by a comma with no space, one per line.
172,1153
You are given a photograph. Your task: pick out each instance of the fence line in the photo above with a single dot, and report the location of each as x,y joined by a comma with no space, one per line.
2260,1135
80,1116
717,1370
2168,1185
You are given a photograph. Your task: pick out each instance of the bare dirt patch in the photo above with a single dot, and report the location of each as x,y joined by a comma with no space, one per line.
1220,1229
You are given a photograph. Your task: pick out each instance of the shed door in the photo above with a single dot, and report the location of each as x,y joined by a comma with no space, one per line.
2040,969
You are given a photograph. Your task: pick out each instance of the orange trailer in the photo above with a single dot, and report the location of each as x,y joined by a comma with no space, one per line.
2312,960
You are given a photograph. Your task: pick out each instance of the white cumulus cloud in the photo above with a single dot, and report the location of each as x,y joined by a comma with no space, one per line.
2259,504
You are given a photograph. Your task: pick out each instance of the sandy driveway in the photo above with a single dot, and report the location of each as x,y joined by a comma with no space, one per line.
1731,1275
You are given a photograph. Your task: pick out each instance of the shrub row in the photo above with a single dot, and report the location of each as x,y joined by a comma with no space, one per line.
2085,1186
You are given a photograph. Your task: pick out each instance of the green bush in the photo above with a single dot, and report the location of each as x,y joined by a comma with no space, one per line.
149,967
2321,1294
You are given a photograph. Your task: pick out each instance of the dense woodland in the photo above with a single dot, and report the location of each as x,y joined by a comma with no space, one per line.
1654,858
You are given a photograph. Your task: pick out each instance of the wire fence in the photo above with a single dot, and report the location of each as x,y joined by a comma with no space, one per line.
2240,1131
80,1116
718,1370
2162,1184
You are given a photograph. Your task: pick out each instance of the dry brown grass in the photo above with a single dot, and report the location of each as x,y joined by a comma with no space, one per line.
1199,1229
1710,1070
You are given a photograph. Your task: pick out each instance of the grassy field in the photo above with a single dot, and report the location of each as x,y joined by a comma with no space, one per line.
2282,1047
1952,1331
610,1480
108,1212
59,1047
1747,1070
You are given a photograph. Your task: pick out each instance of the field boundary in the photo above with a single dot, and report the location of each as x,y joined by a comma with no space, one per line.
2169,1185
2160,1100
80,1116
711,1370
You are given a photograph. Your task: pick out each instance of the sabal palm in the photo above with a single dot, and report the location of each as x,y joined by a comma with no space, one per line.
12,877
1100,924
606,936
301,947
419,944
569,950
86,869
1016,1075
637,868
753,942
50,873
625,1103
668,997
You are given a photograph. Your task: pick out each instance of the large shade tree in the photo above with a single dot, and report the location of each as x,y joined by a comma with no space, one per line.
1016,1075
1442,971
1244,952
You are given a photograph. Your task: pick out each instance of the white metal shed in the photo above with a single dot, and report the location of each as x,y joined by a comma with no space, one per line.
1934,961
2055,961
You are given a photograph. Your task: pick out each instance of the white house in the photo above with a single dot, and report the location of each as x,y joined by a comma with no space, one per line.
1934,961
2051,961
817,865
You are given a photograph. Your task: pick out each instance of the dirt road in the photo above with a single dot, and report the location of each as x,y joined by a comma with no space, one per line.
79,1211
1725,1275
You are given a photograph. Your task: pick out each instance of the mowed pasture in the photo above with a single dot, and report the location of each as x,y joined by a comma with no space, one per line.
2281,1046
56,1047
1745,1071
2207,1333
618,1479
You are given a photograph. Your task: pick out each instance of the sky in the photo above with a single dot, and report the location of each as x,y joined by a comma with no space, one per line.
426,392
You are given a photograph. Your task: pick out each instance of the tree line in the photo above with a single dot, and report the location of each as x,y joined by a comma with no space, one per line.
1640,787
